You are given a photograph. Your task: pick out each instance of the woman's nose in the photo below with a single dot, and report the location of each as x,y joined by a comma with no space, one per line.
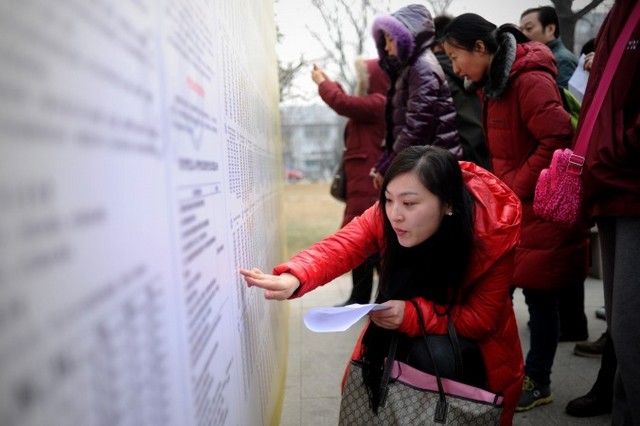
394,213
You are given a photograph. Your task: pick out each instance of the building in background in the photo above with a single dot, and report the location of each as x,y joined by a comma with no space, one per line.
312,140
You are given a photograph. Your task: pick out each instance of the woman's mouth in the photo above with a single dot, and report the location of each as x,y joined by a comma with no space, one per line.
400,232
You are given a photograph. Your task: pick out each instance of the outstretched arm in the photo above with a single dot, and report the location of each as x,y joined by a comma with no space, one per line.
318,75
277,287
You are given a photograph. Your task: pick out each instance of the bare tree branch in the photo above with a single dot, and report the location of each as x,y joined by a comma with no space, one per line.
439,7
286,74
568,18
588,8
346,23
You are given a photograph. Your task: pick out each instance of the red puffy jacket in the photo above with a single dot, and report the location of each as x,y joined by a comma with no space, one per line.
524,123
486,313
363,134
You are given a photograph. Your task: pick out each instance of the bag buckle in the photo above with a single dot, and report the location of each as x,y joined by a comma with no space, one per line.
576,163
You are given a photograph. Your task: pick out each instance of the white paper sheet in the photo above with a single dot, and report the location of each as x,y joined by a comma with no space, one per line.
330,319
578,81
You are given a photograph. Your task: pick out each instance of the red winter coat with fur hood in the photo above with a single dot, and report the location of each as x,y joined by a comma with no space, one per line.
486,313
524,123
364,133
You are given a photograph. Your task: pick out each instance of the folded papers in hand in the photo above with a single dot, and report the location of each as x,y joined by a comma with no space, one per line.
330,319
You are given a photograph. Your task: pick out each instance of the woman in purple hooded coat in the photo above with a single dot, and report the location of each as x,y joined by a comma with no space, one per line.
419,108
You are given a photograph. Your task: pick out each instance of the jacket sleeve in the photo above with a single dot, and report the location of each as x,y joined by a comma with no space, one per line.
469,123
543,115
336,254
479,315
366,109
384,161
566,66
420,118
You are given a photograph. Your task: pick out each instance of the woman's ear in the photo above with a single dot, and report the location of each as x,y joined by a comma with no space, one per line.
479,46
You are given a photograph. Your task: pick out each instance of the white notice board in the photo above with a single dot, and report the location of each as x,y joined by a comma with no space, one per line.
139,169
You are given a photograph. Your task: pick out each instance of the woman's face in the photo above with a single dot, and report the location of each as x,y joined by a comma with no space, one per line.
471,64
390,45
415,212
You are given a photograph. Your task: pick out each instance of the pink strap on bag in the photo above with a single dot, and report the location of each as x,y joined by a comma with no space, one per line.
582,140
421,380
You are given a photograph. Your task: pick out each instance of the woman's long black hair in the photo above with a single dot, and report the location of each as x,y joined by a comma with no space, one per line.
464,30
439,172
434,269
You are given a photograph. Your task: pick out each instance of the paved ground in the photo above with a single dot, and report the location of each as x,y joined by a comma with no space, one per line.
316,362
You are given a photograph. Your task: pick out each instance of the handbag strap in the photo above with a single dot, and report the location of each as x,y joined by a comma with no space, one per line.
440,414
453,338
582,140
441,407
455,343
386,373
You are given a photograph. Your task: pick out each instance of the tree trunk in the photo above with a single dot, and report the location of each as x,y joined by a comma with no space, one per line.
567,20
567,30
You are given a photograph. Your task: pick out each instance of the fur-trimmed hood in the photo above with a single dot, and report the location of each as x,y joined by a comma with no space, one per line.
512,59
411,26
370,77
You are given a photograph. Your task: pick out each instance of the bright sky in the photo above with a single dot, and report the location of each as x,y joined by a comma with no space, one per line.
294,16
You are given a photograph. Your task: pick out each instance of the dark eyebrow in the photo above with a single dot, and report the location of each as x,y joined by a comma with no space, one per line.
404,193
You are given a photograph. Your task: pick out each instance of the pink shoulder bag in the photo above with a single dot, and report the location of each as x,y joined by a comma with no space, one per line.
559,193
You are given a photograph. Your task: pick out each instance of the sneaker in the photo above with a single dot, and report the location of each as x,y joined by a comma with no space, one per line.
601,313
591,349
589,405
533,394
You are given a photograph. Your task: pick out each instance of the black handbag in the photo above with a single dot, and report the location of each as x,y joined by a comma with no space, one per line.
457,358
339,184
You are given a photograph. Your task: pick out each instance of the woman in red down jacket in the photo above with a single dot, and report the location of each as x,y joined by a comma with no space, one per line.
363,136
524,123
446,232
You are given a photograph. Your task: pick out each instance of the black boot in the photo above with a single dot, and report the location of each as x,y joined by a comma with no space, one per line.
589,405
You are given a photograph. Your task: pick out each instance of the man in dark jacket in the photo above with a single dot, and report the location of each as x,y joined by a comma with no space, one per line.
541,24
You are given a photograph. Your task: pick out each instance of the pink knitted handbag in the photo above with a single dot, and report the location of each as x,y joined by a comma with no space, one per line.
559,191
